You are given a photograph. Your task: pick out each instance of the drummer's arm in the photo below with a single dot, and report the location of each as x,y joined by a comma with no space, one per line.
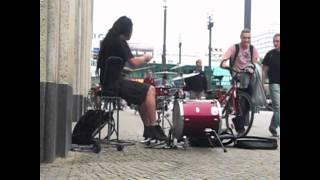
137,61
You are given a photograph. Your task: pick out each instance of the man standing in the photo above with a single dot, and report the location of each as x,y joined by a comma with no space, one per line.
271,64
242,55
197,85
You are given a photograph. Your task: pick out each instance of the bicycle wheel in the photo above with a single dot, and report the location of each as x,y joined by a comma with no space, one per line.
239,117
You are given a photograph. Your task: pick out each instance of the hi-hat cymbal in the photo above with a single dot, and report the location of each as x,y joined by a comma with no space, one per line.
165,72
184,76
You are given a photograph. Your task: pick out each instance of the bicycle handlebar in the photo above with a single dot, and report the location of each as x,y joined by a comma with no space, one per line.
244,70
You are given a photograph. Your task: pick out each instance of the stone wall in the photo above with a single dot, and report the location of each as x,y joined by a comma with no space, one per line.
65,43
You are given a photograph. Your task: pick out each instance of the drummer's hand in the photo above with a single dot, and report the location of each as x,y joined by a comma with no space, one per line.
249,68
147,57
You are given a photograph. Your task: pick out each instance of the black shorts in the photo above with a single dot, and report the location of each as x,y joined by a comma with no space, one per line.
133,92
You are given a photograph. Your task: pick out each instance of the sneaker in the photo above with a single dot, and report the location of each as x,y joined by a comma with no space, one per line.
239,129
156,132
240,133
273,132
146,133
161,131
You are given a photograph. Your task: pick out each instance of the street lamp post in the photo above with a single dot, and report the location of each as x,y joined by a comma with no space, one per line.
247,14
180,44
164,35
210,25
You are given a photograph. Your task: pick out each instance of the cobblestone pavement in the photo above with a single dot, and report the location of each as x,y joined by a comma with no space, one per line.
137,162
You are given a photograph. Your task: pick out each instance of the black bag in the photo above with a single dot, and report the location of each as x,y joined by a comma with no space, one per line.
88,126
253,142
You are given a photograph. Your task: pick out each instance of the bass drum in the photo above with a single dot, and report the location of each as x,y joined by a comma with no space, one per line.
191,117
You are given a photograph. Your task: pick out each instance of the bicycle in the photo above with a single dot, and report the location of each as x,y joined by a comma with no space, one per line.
236,104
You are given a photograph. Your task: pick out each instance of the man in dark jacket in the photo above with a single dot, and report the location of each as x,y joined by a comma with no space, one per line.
197,85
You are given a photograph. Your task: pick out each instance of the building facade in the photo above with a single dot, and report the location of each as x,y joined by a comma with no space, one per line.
263,42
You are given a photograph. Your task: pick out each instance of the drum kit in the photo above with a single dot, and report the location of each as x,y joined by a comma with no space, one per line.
191,119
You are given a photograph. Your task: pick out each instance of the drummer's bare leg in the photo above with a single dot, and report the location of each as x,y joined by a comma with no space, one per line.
142,115
148,111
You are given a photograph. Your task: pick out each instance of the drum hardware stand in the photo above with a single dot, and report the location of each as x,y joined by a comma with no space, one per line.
168,143
149,145
110,103
172,142
161,114
163,117
209,133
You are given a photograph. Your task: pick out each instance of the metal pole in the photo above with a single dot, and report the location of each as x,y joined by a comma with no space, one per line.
164,38
180,52
210,25
247,14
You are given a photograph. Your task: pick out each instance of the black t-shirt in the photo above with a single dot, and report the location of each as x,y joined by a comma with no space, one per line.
116,47
197,83
272,60
119,47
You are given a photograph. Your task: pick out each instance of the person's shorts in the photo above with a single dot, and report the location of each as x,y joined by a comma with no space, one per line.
133,92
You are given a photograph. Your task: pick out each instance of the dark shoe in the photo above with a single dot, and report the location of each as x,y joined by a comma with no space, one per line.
156,132
146,133
237,125
273,132
240,133
160,130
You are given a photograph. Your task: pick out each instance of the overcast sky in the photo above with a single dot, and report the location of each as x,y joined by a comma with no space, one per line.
186,20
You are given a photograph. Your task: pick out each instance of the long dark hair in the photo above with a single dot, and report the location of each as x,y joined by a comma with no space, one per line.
122,26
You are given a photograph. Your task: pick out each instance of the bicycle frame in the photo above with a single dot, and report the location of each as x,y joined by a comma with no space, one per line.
231,93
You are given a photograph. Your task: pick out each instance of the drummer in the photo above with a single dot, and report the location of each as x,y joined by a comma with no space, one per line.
197,85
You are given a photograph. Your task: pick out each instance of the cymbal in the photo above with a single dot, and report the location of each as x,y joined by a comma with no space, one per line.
165,72
127,70
184,76
177,66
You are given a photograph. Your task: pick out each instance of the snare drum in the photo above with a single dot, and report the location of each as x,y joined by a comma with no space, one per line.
191,117
162,91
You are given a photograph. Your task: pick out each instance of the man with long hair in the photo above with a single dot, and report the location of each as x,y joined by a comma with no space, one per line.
143,95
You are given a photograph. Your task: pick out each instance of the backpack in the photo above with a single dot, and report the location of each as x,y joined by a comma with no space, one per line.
232,60
88,126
